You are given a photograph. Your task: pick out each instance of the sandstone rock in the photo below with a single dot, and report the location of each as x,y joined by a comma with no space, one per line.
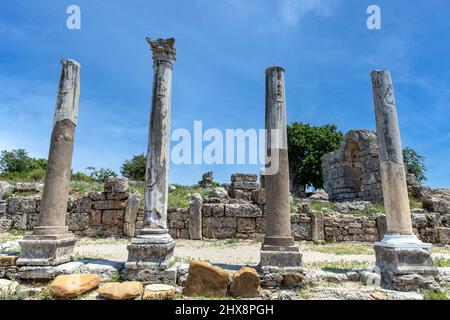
7,260
8,288
66,286
206,280
245,283
158,292
120,291
378,295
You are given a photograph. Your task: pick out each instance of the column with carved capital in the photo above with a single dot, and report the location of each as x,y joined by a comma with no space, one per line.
150,253
51,243
400,252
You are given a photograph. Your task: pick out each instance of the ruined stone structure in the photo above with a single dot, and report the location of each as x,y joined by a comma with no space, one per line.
242,185
51,243
353,171
118,214
207,180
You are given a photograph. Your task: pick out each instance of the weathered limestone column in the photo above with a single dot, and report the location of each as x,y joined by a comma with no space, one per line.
150,253
400,251
278,248
51,243
195,217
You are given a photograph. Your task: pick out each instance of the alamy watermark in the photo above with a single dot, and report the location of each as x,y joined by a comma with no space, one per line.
374,20
231,146
73,22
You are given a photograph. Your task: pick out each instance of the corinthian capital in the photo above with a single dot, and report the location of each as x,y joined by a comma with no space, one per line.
163,49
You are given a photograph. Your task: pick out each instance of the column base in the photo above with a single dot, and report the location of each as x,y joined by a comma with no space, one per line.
46,250
150,258
280,256
404,254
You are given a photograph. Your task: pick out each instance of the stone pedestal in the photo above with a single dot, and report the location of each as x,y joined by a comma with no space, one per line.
149,258
278,248
400,252
150,253
51,243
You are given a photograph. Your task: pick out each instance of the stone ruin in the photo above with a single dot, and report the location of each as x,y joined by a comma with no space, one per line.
207,180
353,171
367,167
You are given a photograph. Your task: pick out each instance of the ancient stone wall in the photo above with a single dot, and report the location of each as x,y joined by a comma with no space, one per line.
116,212
353,171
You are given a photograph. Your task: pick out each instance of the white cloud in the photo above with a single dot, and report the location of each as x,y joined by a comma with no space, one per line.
293,11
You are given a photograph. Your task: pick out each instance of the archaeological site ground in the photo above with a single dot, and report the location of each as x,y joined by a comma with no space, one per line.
325,214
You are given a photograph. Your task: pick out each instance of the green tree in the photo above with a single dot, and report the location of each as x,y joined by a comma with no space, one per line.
14,161
100,175
307,145
134,169
17,165
415,163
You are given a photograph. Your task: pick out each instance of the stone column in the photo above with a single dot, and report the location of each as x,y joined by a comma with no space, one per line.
278,248
400,251
151,251
51,243
195,217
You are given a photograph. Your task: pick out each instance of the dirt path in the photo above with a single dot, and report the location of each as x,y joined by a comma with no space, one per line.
224,252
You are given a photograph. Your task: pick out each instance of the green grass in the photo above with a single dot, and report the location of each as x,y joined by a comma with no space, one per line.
319,206
415,203
180,197
24,193
377,208
115,278
82,187
16,296
441,262
45,294
304,293
294,206
341,266
435,295
232,241
342,250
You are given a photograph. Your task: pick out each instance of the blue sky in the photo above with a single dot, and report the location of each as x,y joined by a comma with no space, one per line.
223,48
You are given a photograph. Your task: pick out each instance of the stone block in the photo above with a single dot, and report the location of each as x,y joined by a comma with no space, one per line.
45,252
245,185
242,210
247,225
118,184
112,217
281,258
213,210
241,177
110,205
397,260
206,280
